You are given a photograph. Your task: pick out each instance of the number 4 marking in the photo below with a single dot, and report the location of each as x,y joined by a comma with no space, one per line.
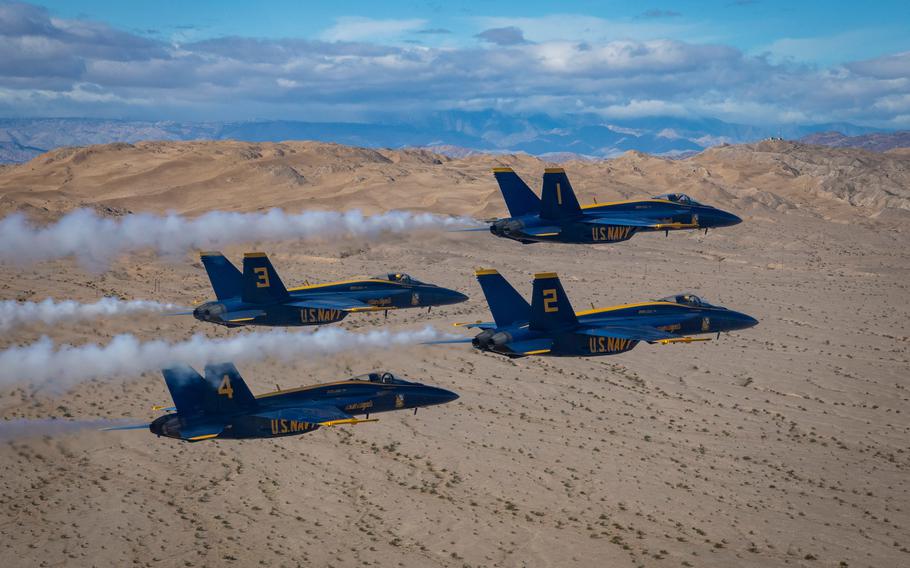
225,387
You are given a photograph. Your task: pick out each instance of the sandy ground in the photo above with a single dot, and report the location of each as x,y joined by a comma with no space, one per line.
784,444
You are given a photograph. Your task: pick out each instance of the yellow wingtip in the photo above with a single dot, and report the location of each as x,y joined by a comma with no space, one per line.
542,275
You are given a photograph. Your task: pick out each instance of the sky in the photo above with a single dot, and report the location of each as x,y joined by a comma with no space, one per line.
748,61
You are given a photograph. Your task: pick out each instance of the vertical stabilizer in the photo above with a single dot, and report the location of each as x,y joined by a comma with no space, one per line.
261,284
550,307
519,198
506,304
558,199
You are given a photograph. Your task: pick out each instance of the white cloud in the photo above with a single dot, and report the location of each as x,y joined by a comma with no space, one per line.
366,29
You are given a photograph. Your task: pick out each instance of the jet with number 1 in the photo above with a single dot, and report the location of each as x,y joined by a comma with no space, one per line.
557,216
220,405
549,325
258,297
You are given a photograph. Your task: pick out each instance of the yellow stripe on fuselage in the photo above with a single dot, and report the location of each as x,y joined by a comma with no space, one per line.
625,202
640,305
337,383
341,282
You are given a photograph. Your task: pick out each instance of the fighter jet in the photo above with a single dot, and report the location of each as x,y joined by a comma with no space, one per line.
220,405
557,216
549,326
258,297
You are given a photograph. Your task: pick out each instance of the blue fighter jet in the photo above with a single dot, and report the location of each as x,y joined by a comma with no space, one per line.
557,216
549,326
258,297
219,405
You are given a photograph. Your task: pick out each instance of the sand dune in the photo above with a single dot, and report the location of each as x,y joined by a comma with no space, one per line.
782,444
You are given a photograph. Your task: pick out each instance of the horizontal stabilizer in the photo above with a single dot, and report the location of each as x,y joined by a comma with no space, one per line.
476,325
531,346
199,432
241,316
550,231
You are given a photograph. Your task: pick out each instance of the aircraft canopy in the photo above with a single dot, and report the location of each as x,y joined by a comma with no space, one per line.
678,198
686,299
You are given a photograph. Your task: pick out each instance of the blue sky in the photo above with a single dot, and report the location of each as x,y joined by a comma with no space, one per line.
746,61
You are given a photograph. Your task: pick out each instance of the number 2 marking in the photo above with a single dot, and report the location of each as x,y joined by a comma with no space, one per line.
549,298
225,388
263,274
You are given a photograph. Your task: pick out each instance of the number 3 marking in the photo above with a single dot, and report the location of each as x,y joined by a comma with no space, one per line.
549,298
225,388
263,274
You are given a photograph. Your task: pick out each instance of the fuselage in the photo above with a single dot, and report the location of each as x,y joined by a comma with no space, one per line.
659,214
376,294
572,341
290,412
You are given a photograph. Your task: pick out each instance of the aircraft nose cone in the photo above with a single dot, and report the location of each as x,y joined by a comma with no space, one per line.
728,219
443,396
744,321
458,297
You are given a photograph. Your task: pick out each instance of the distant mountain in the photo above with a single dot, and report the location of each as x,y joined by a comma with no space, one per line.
875,142
584,135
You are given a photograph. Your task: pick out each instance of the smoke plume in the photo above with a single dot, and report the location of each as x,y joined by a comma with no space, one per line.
20,428
96,241
43,364
50,311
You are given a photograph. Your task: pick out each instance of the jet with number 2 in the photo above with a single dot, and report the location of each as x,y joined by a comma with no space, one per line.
258,297
220,405
549,325
557,216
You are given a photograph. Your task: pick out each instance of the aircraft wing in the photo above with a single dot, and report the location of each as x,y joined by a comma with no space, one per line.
241,315
531,346
637,333
337,302
629,221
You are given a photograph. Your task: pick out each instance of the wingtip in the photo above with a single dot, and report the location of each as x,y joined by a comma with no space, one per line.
542,275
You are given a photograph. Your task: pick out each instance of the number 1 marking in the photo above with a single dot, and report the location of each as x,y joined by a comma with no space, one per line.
558,194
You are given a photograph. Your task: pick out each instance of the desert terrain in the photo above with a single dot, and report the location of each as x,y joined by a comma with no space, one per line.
787,444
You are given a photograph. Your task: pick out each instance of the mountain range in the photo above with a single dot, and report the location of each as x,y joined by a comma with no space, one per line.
456,133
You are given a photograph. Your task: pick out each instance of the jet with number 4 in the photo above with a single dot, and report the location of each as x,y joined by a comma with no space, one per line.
557,216
549,325
258,297
220,405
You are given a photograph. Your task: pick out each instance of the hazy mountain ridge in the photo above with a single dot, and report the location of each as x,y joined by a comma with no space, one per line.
874,142
201,175
585,135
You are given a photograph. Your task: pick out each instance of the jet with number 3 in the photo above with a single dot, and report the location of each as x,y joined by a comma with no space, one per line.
557,216
258,297
549,325
220,405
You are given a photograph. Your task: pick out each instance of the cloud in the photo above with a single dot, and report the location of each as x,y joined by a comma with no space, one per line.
360,29
503,36
434,31
363,70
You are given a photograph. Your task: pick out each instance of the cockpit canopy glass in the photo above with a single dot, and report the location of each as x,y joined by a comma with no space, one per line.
399,277
377,377
686,299
678,198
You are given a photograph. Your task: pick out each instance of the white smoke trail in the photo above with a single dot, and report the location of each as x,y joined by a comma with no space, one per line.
42,364
96,241
50,311
19,428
